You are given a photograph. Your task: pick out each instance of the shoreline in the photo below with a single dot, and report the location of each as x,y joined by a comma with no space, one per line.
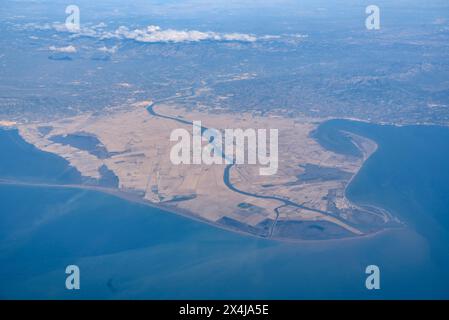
131,198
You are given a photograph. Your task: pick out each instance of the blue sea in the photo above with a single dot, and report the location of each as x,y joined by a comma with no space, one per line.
127,250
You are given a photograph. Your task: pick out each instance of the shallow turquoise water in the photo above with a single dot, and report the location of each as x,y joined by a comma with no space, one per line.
127,250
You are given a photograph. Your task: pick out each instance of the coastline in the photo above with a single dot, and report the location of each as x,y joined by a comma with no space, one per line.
130,196
366,149
127,196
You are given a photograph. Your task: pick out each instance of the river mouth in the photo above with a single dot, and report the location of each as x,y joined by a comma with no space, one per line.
98,232
332,135
372,219
326,224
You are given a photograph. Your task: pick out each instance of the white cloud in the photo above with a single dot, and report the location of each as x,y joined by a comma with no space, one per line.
35,26
68,49
149,34
101,25
153,28
154,34
108,50
239,37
